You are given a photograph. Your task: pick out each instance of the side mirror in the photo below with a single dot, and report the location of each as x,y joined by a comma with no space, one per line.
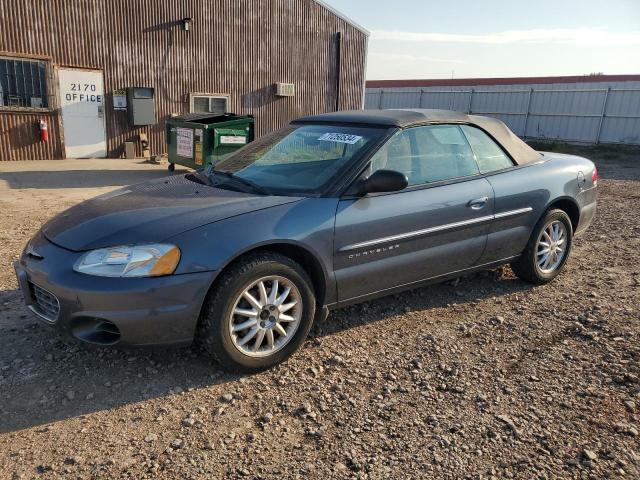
383,181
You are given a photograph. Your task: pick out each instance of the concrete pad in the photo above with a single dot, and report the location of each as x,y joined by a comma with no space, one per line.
72,180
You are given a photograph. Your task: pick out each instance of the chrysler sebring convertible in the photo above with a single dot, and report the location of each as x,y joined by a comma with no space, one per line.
331,210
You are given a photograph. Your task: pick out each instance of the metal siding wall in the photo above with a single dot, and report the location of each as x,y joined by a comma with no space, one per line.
20,137
457,100
620,130
399,99
235,47
615,128
569,111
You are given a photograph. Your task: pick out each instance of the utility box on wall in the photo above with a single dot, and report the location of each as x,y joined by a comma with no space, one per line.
285,90
141,106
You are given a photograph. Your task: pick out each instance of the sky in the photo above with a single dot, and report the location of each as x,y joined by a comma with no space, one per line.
497,38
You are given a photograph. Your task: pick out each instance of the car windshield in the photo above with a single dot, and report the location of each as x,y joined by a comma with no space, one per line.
298,158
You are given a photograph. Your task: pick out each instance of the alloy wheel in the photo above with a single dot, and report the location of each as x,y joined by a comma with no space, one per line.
551,246
265,316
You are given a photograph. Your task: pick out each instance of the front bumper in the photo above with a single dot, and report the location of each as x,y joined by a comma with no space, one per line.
108,311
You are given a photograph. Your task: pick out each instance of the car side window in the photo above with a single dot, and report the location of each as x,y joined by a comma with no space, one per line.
489,155
394,155
427,154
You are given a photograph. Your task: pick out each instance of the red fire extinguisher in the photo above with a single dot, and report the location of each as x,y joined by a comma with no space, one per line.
44,130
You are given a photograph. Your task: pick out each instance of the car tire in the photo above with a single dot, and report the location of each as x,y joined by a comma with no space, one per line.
219,320
530,266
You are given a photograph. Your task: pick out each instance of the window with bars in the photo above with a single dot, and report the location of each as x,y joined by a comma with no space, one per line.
215,104
23,83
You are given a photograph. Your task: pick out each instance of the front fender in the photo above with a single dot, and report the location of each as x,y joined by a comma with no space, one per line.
308,224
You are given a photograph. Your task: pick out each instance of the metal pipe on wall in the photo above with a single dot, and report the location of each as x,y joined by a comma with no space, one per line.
527,113
604,114
338,67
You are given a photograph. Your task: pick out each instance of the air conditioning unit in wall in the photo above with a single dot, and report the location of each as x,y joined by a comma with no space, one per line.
285,89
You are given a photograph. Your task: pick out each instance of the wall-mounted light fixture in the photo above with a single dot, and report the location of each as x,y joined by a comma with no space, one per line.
186,23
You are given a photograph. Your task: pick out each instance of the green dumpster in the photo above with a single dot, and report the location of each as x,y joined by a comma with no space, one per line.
196,140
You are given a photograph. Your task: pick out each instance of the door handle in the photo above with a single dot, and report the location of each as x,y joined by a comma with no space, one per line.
478,203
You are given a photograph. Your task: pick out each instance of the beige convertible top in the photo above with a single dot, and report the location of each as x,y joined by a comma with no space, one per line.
402,118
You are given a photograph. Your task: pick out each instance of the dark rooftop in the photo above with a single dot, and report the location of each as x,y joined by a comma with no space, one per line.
391,117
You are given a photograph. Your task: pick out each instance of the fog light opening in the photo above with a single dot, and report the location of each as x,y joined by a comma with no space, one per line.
96,330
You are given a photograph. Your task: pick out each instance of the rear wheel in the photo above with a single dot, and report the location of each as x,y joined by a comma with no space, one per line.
547,250
258,313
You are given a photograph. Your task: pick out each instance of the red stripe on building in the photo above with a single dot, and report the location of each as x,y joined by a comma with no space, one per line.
458,82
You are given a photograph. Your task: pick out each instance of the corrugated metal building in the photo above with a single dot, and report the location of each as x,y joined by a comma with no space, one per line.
70,63
589,109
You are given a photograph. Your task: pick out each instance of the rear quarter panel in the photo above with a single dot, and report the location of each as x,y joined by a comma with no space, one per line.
537,186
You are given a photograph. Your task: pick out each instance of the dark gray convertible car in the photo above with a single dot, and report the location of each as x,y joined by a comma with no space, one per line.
331,210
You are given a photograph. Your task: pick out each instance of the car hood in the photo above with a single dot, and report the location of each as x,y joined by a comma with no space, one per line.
150,212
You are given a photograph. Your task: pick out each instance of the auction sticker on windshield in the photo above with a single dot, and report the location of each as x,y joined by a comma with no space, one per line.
340,138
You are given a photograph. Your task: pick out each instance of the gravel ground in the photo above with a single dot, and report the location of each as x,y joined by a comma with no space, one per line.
485,377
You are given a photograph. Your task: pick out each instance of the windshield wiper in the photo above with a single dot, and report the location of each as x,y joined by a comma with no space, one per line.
247,183
197,178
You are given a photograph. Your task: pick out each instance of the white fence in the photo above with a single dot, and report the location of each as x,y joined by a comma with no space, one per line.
607,114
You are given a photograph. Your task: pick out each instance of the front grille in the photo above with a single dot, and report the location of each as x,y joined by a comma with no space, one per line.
46,303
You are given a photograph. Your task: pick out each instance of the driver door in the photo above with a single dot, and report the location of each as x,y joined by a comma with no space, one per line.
437,225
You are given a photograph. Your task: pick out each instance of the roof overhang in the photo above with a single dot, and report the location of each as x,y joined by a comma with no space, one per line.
341,15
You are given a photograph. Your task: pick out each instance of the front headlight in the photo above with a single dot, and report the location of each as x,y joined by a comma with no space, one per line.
151,260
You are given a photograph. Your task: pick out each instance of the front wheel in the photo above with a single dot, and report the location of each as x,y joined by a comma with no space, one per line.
258,313
547,250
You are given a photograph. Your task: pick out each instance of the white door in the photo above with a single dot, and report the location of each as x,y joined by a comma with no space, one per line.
82,106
